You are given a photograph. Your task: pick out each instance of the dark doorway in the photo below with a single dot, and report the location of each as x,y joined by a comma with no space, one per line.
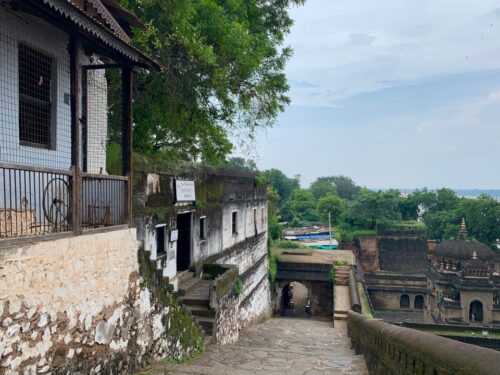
184,223
404,302
419,302
295,300
476,312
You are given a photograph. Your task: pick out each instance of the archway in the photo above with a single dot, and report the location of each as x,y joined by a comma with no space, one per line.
404,302
295,297
419,302
476,311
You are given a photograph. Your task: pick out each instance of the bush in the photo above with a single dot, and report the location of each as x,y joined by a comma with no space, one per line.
288,245
273,265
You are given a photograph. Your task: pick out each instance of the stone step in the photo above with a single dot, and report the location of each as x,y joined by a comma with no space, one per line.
194,301
207,324
340,317
200,311
184,276
187,285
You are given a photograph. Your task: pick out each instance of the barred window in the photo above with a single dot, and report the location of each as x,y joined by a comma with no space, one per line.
35,97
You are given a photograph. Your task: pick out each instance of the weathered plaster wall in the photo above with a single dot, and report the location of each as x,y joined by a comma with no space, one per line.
219,193
79,304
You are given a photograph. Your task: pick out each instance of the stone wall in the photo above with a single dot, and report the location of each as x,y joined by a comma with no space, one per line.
392,350
402,254
86,305
367,254
251,259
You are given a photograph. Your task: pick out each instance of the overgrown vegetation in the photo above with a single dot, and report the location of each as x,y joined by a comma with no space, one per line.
357,211
288,245
238,287
273,263
224,74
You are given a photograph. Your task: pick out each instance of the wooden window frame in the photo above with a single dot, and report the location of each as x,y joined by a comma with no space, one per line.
52,130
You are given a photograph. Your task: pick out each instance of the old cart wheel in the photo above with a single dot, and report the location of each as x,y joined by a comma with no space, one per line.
56,197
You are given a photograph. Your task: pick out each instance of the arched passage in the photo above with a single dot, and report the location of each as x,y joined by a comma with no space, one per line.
404,302
476,311
419,302
295,297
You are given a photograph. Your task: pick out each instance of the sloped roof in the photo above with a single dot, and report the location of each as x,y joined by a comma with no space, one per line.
95,21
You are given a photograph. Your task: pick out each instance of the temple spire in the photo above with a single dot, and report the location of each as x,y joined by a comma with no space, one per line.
462,233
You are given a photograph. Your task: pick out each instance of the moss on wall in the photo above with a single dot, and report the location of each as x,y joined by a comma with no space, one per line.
181,327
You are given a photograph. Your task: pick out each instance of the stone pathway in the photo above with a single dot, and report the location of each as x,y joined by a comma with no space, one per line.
277,347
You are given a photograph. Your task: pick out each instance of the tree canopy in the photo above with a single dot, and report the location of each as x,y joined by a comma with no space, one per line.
224,72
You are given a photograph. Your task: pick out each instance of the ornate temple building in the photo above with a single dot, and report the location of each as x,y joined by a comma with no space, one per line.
463,286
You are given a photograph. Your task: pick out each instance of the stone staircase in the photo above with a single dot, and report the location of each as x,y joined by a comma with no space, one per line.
194,295
342,275
341,292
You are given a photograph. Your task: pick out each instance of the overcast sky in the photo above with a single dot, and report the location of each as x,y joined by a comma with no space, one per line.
392,93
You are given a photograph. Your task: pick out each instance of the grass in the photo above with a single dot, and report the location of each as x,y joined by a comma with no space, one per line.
341,263
288,245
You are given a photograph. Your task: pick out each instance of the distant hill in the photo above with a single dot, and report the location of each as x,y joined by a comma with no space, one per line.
473,193
468,193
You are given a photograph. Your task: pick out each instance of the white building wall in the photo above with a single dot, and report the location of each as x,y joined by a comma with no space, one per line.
44,37
18,27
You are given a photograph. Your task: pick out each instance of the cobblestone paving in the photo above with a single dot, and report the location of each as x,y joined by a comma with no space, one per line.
277,347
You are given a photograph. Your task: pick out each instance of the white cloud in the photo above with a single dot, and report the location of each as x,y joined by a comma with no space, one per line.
363,46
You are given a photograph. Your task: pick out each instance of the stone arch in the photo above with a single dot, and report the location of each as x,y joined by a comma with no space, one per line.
476,311
404,301
295,295
419,302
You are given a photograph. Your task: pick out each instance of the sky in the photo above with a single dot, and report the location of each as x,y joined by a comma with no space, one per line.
392,93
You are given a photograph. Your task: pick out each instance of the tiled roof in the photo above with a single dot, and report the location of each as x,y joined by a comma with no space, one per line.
92,26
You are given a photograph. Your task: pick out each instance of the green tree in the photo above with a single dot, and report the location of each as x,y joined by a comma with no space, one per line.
483,218
332,204
273,216
370,208
322,187
224,72
345,187
283,184
303,207
240,164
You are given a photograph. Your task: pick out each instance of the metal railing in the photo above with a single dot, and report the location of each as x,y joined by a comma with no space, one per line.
103,200
34,201
37,201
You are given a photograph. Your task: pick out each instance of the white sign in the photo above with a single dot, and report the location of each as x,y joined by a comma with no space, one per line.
174,235
184,191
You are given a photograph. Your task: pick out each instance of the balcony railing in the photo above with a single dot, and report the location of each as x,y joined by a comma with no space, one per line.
36,202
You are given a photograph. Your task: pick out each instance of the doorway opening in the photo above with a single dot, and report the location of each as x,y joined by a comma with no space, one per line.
419,302
404,302
476,312
184,226
295,300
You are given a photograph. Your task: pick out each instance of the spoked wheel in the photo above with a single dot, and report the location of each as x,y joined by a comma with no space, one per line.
56,198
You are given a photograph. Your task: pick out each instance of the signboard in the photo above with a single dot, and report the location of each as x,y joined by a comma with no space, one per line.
184,191
174,235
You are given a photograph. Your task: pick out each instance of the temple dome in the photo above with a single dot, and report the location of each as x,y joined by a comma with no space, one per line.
464,247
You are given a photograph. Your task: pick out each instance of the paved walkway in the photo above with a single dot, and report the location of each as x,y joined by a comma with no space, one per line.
341,298
277,347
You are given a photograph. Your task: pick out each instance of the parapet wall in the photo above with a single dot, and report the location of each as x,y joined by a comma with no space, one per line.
393,350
